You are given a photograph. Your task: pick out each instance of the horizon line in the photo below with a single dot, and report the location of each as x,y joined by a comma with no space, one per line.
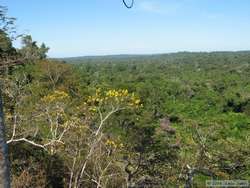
148,54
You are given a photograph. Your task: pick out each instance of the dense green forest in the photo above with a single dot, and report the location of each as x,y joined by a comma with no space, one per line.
167,120
193,115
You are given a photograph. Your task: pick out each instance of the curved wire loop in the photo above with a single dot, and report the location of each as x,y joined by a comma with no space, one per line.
128,5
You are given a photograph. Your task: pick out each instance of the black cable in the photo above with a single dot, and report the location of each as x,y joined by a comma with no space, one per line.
127,5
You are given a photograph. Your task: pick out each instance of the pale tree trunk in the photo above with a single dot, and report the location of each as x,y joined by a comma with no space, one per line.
4,163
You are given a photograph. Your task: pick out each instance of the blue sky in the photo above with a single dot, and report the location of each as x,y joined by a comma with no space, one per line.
103,27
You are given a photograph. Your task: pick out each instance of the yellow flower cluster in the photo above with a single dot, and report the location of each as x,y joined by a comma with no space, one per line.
56,96
112,144
135,101
93,109
117,93
94,99
121,96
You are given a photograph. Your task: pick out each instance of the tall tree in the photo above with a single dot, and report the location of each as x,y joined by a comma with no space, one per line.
31,50
4,165
6,53
9,56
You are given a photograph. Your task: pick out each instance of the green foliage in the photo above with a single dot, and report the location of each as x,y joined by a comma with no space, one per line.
206,89
31,51
203,97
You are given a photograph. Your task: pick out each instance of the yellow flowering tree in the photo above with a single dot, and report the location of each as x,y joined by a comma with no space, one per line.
59,122
106,103
101,106
51,120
